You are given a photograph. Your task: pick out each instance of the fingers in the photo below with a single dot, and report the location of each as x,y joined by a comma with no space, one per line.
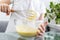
8,10
45,23
39,33
5,8
41,30
42,27
2,8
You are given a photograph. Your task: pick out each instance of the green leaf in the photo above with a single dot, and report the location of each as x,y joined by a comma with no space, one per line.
58,20
54,8
51,5
47,11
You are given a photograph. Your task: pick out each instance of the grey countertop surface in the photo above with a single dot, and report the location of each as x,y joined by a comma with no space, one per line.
4,36
12,36
15,36
3,26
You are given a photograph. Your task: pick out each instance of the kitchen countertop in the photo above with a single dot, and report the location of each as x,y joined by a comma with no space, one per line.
15,36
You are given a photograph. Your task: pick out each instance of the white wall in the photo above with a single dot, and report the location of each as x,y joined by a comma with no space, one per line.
3,17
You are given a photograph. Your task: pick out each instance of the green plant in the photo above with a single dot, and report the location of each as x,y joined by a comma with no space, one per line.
54,9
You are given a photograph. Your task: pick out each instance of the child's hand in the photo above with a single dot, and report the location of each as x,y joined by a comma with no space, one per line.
41,29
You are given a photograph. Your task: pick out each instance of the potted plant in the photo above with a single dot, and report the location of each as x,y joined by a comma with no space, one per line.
54,12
